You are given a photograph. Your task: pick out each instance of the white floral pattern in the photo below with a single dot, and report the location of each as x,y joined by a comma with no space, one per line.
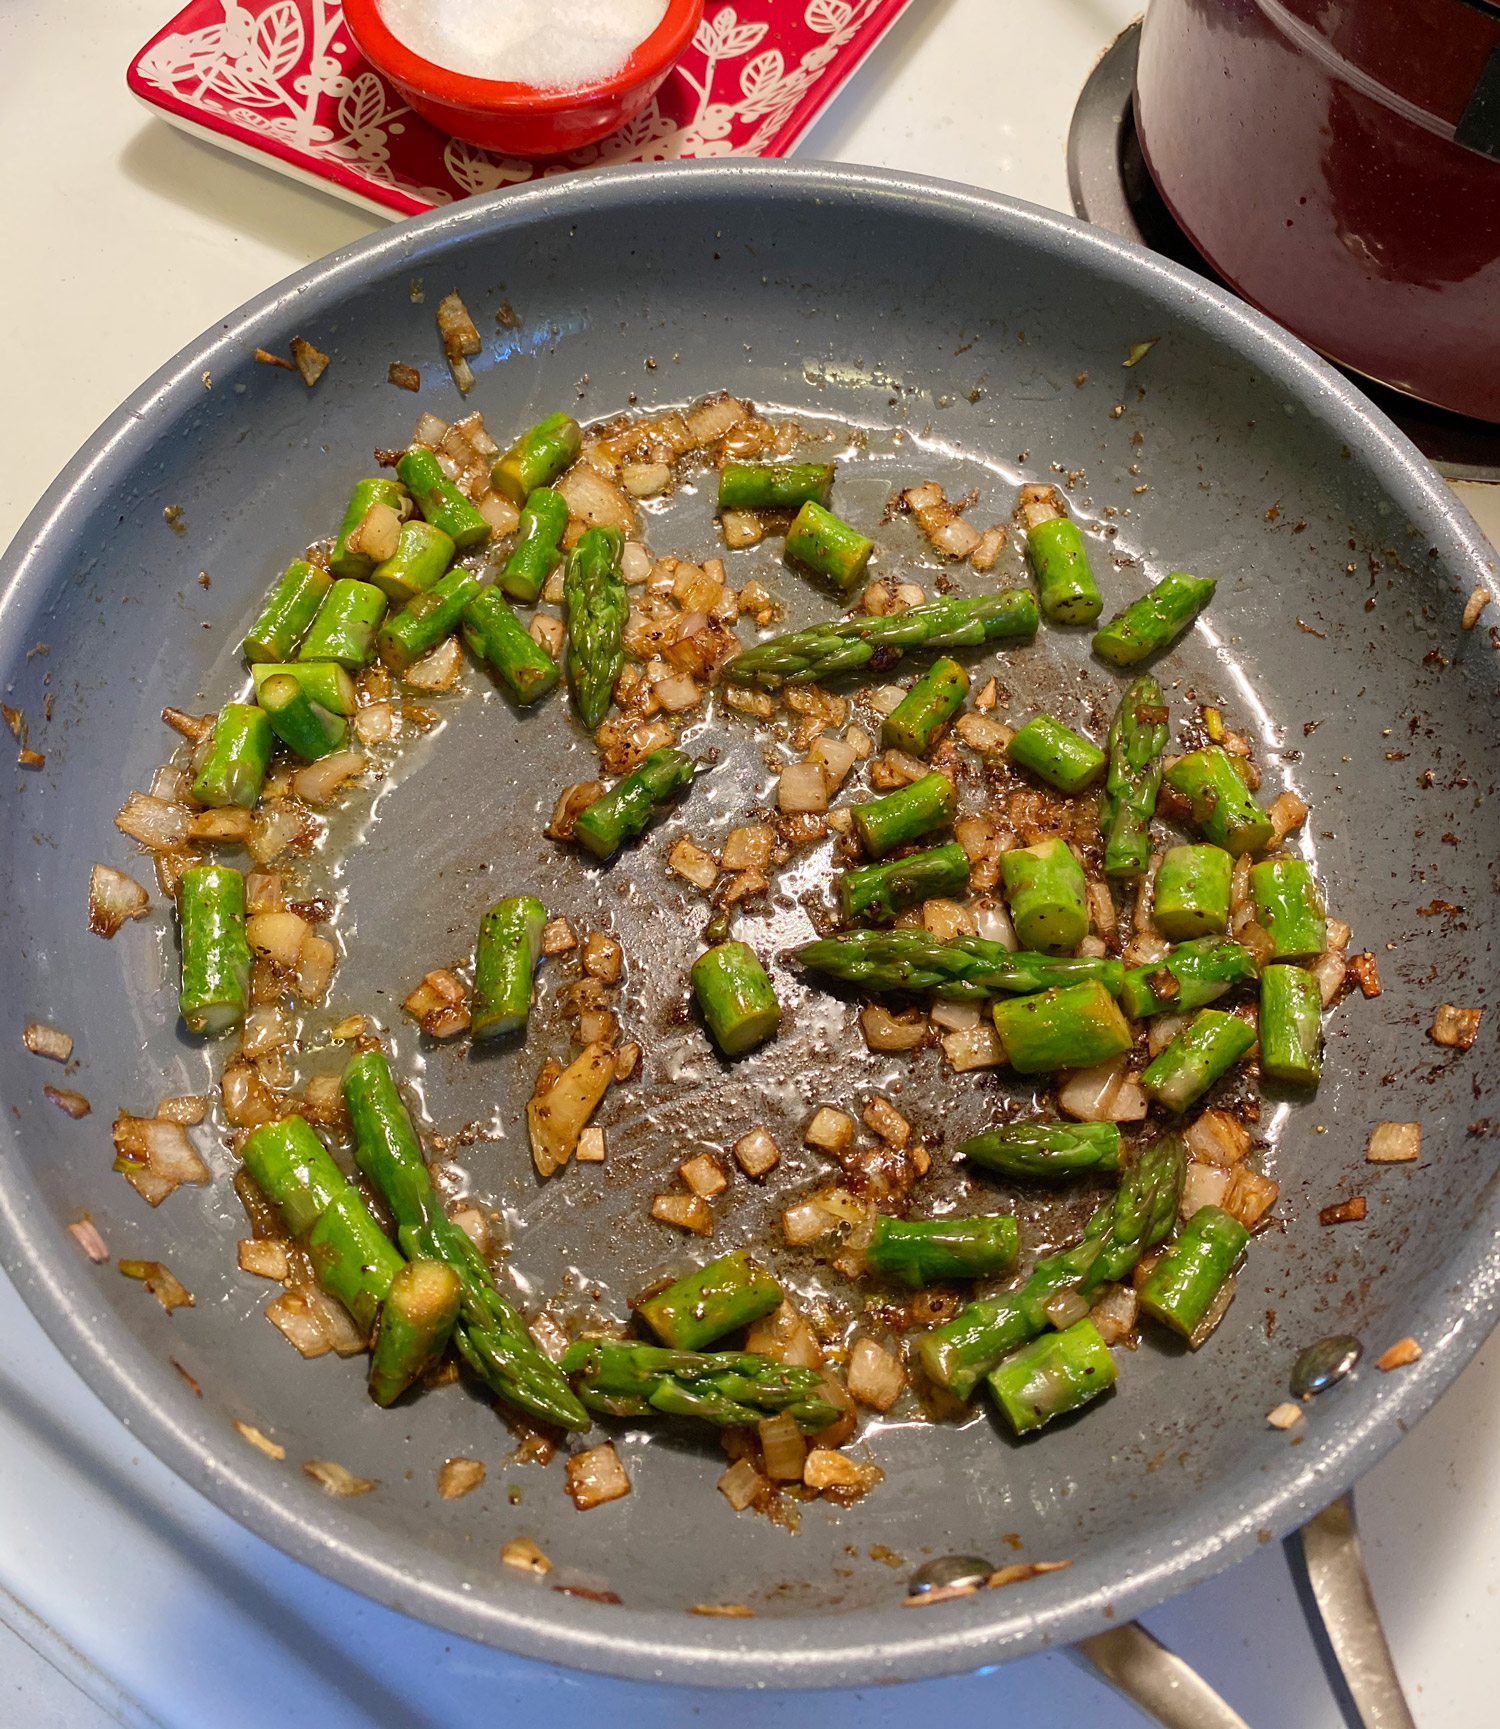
286,78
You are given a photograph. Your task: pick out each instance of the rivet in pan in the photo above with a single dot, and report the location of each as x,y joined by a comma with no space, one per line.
1320,1365
950,1570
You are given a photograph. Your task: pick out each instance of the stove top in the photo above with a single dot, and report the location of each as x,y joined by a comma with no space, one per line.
1111,186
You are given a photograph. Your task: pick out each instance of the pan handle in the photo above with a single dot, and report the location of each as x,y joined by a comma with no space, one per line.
1356,1656
1155,1679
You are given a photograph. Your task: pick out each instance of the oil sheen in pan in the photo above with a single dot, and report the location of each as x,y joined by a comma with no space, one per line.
457,822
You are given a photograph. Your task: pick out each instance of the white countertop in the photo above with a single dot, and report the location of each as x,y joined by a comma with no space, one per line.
124,1597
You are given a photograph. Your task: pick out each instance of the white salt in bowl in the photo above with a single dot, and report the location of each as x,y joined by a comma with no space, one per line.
521,119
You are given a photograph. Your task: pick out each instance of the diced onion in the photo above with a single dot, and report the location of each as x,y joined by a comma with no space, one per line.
523,1553
955,1017
806,1222
829,1130
321,780
978,1048
337,1479
875,1376
1216,1138
438,669
887,1032
993,921
45,1041
782,1447
458,1477
1250,1196
596,1476
1329,970
1395,1143
742,1484
156,825
1204,1186
1114,1313
1089,1094
113,898
691,862
277,937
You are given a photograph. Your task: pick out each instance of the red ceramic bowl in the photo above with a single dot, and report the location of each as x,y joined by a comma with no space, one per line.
518,119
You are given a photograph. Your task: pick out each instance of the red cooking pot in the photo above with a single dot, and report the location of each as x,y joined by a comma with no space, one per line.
1338,162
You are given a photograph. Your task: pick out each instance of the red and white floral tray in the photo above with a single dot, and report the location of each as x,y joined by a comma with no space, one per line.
282,82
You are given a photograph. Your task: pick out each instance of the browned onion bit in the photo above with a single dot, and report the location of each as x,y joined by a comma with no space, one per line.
406,377
72,1104
337,1479
1348,1212
161,1282
85,1233
268,359
311,362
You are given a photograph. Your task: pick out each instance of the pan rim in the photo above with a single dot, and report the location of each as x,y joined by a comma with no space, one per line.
848,1648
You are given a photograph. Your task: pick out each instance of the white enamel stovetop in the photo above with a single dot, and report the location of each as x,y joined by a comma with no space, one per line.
125,1597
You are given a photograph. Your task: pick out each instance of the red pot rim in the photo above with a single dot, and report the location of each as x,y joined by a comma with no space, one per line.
390,55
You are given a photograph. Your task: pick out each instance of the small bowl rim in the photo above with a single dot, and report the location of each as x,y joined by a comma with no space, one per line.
388,54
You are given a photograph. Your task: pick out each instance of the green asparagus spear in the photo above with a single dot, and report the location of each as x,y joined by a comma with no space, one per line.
1196,1058
728,1293
799,656
354,1259
1056,1374
877,892
416,1324
426,619
1137,738
597,609
1191,895
537,457
1222,805
1290,908
1153,621
963,969
510,944
823,544
930,703
544,517
1045,1149
215,953
491,1336
627,807
1060,756
422,556
960,1353
440,501
290,608
1144,1211
1291,1025
495,635
1065,584
906,814
773,485
238,757
294,1170
324,682
1193,975
920,1252
344,630
304,726
1048,895
730,1389
1181,1287
736,997
356,566
1072,1028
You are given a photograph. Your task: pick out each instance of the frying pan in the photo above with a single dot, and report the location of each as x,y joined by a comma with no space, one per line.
992,338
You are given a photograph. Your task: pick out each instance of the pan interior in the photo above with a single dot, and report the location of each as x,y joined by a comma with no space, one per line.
965,342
